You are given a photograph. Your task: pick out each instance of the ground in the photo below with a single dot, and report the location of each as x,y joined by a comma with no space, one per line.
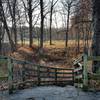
51,93
53,55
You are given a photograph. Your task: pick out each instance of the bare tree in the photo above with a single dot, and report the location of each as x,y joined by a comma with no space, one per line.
1,36
4,21
44,12
12,5
82,23
30,21
52,4
68,6
30,7
42,22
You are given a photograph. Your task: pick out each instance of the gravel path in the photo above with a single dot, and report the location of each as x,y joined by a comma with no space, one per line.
51,93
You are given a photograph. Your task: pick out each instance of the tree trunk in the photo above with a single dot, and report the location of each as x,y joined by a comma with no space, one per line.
42,24
66,44
30,23
51,23
78,41
3,19
14,21
96,38
21,35
0,38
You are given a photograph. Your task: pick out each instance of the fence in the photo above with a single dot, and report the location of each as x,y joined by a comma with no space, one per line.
93,78
21,74
81,72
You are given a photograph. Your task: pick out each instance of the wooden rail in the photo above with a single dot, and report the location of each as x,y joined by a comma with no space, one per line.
93,78
81,74
24,73
78,73
78,76
21,74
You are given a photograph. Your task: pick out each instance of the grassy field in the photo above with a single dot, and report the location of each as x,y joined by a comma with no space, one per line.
26,42
60,45
57,43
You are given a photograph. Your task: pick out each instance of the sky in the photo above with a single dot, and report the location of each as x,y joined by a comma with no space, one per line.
59,19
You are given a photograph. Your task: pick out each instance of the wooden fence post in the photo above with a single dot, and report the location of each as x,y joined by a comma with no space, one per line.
85,73
55,76
10,75
23,72
73,76
38,72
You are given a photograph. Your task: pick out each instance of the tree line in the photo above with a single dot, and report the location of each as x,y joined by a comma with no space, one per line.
44,14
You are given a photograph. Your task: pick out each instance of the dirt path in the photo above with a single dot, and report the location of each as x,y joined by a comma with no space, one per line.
51,93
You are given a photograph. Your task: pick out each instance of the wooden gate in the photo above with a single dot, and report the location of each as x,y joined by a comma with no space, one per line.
24,74
80,72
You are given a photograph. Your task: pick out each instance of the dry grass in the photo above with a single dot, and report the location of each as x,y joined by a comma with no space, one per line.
57,43
61,43
54,55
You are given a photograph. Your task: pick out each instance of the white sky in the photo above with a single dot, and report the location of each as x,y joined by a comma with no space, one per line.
59,20
57,17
